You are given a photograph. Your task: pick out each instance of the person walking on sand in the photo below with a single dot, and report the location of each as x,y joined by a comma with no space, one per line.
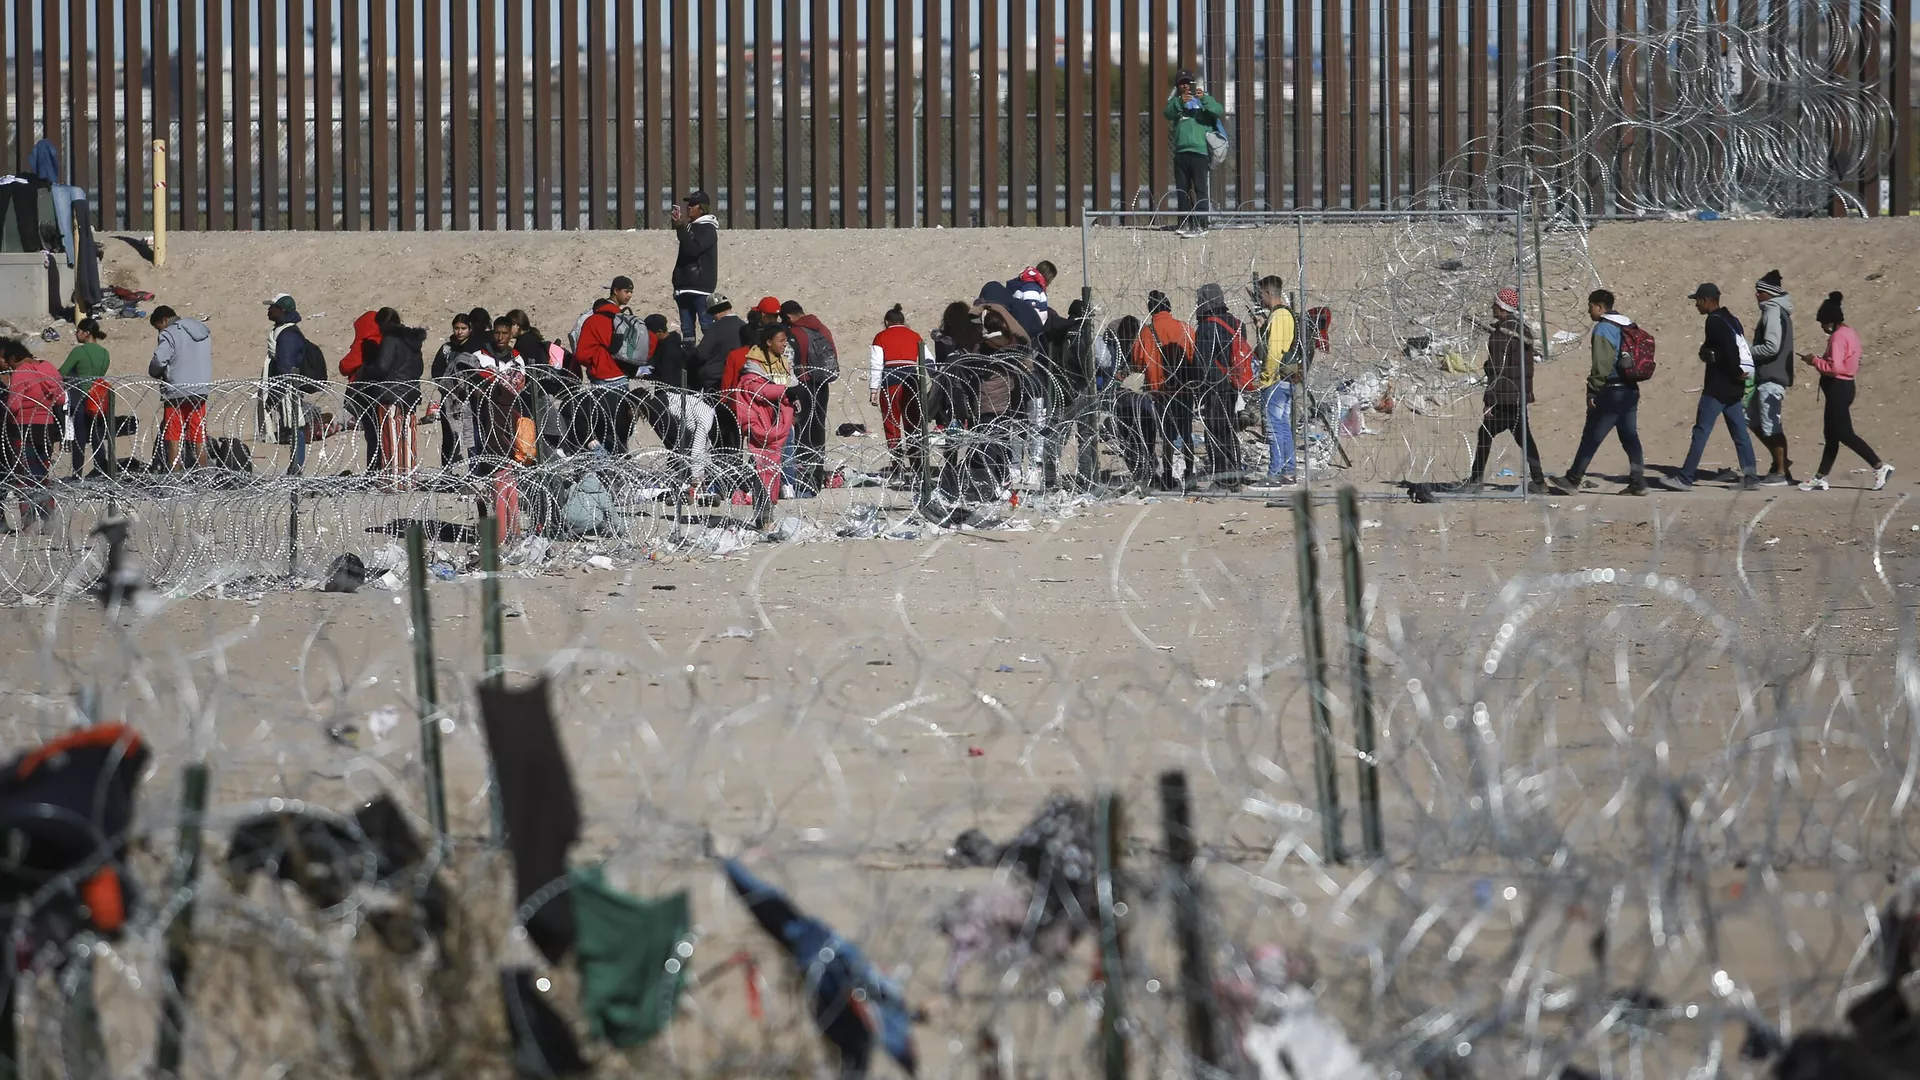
1839,366
183,359
85,370
1613,401
1193,113
893,386
1510,345
1729,363
1772,374
696,268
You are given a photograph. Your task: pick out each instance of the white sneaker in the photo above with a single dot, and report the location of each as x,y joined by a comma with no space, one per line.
1880,475
1818,483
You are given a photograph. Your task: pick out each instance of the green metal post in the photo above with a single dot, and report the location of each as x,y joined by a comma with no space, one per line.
424,688
1107,853
180,931
494,634
1362,676
1314,654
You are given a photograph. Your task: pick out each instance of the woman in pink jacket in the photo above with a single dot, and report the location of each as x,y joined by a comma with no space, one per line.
1838,367
761,400
35,396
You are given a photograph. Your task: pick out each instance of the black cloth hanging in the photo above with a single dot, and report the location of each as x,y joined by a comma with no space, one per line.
86,261
538,803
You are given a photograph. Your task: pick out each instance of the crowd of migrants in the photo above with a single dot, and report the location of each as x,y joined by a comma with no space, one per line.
999,384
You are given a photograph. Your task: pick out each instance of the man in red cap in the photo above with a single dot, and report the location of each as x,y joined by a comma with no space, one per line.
1509,388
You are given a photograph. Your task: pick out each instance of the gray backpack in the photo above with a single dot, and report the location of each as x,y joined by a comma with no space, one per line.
588,509
823,362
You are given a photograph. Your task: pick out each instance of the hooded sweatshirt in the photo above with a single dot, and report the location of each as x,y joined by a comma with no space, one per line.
1725,381
1773,341
34,392
366,332
594,350
1606,351
183,359
696,269
286,346
1190,126
1213,334
710,356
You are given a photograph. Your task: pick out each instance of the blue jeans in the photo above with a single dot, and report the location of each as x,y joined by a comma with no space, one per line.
693,309
1735,415
1278,409
64,196
1616,407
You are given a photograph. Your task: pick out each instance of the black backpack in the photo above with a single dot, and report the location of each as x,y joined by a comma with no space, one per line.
823,362
313,362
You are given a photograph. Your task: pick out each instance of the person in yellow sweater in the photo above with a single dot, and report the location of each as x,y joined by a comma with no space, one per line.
1279,371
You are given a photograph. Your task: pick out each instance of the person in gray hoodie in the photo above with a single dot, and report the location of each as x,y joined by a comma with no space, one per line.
1772,374
183,360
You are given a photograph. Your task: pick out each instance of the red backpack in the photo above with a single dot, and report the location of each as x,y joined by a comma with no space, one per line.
1240,360
1636,354
730,375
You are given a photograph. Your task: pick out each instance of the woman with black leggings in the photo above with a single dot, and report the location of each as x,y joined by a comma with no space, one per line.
1838,368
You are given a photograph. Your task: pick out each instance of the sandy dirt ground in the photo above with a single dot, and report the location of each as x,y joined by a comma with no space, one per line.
840,710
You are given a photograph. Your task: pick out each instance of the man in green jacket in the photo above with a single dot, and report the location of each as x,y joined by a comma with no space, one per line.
1613,402
1193,113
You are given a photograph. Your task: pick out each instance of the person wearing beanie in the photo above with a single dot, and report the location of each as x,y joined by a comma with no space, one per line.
1729,364
696,267
1161,353
1216,333
1772,374
1839,367
283,390
1510,344
1191,113
723,333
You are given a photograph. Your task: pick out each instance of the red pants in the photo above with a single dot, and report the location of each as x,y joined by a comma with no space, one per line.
899,413
184,420
766,461
399,454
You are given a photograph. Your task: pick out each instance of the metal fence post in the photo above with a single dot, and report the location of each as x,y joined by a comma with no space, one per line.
1314,656
1107,853
1362,677
180,931
423,678
493,624
1196,978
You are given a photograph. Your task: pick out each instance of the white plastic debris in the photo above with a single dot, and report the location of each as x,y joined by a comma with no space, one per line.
382,721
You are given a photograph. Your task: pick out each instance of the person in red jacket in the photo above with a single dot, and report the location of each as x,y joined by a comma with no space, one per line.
362,400
893,383
34,398
606,399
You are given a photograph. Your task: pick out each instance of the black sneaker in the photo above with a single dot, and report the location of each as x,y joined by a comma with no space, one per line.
1774,479
1635,486
1564,485
1673,483
1748,482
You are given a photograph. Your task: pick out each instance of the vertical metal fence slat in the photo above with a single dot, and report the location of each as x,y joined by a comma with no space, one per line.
1871,41
1393,120
708,173
653,131
242,171
79,117
1189,40
186,149
433,113
459,114
1333,99
379,119
487,137
217,161
1562,116
570,60
540,74
1508,46
1219,74
1159,83
599,134
737,114
820,109
10,149
52,106
932,114
513,183
990,127
133,119
1631,99
1900,89
876,181
1046,110
906,192
23,93
1419,98
166,106
106,168
678,121
407,115
1360,129
1246,112
1449,95
1275,36
1303,84
1539,15
352,181
626,165
273,97
1018,129
848,114
1076,102
960,100
1132,92
324,143
1100,115
1655,101
1477,105
793,136
296,121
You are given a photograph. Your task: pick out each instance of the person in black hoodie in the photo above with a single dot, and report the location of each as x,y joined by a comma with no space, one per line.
1214,333
696,268
453,410
724,334
1728,366
398,365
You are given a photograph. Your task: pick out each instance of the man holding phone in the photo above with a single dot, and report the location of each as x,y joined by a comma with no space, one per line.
696,268
1193,113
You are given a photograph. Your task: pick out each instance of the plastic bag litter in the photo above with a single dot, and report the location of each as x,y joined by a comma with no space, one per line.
600,562
791,529
390,557
389,581
861,523
382,721
532,551
736,632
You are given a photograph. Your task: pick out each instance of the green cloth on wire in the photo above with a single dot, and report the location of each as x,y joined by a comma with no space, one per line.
624,945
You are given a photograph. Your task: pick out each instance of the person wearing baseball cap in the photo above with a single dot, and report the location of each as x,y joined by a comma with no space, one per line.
1510,344
284,390
696,269
1729,364
764,312
1192,113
